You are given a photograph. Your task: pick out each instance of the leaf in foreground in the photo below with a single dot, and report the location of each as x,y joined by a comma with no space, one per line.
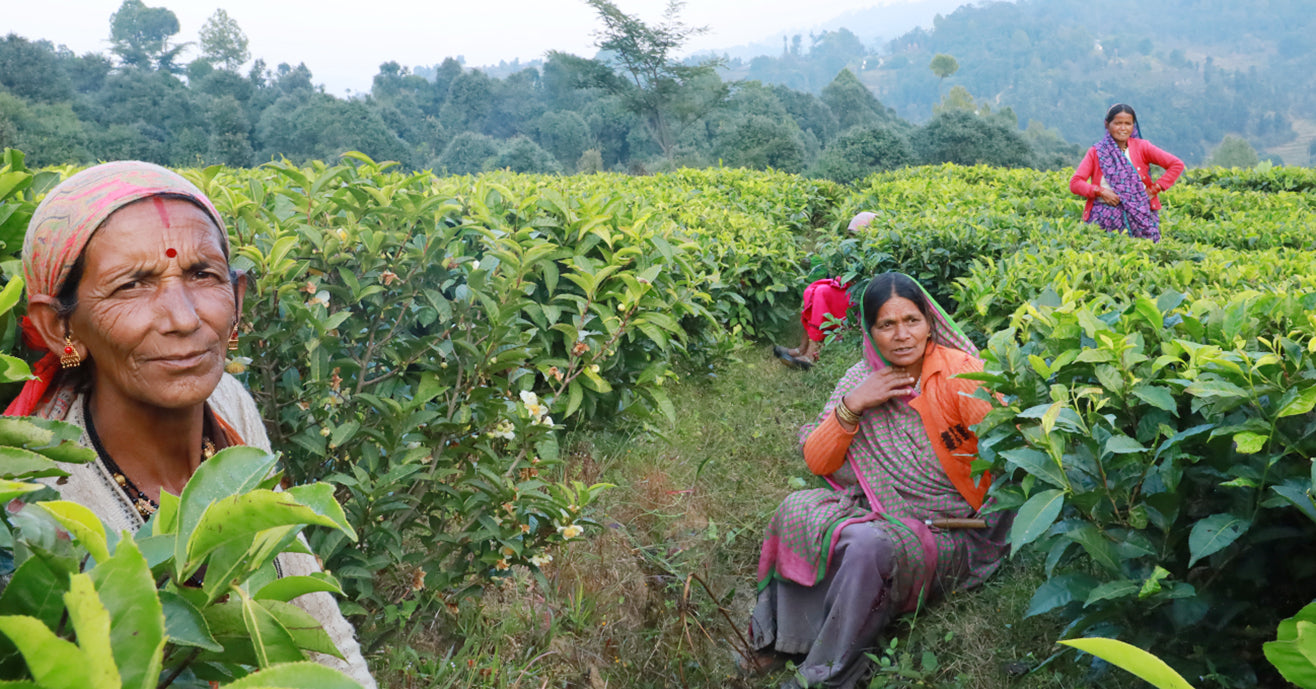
1144,665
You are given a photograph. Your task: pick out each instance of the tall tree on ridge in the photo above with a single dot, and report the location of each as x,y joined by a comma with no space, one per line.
140,35
223,43
647,54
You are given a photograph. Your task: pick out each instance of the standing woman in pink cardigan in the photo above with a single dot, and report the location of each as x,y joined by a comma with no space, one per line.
1121,194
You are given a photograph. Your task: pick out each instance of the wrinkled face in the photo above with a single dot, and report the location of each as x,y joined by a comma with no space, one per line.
1121,127
155,305
901,332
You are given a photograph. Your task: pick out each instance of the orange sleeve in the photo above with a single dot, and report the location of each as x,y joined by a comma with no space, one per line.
825,448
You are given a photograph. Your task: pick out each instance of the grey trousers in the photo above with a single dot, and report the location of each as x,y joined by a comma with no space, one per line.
835,621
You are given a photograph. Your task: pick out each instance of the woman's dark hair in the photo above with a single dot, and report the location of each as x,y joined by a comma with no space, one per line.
1118,108
887,285
67,299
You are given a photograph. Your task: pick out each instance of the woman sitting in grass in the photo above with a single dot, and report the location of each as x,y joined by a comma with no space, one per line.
900,522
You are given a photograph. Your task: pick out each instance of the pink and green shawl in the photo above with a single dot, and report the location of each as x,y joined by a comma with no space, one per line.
801,537
65,221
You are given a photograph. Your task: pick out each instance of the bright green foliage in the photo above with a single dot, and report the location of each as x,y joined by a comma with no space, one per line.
1294,652
1141,663
1155,433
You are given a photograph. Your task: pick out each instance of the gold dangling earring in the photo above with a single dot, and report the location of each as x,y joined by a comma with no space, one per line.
233,340
70,358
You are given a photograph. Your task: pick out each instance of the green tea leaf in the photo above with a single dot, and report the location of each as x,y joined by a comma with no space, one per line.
1211,534
1036,463
270,641
1300,498
1158,397
53,662
240,517
232,471
137,632
91,623
1250,443
1300,405
1035,517
1122,444
288,588
1113,590
184,623
303,675
35,590
82,523
1140,663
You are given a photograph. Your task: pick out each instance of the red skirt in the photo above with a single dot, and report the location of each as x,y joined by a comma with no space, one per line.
823,298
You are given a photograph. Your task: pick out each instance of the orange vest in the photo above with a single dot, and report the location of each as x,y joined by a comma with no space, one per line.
948,413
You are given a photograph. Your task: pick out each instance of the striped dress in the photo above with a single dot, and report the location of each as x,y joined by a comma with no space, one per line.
816,598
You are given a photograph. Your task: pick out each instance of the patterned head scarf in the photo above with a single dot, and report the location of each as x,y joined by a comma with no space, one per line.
944,330
62,225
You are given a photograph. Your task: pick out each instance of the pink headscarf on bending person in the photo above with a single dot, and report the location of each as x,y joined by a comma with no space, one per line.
861,220
63,224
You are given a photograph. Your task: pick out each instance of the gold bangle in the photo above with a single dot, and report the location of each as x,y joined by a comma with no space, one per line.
845,415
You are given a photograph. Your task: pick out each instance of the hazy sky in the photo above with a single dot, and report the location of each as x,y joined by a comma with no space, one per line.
344,43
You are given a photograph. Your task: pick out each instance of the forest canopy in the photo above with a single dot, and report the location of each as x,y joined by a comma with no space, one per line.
822,107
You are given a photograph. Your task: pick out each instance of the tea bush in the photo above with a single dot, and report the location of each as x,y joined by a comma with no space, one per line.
416,348
1158,450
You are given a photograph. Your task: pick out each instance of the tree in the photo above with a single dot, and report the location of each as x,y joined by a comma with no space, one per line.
140,35
590,162
658,80
230,141
469,103
468,153
569,82
1234,152
943,65
1050,150
520,154
223,43
965,138
563,133
33,71
860,152
959,98
761,142
853,104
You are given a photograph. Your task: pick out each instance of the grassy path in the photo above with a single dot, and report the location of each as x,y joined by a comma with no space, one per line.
614,609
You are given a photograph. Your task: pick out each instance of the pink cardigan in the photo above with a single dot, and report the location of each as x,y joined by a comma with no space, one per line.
1141,152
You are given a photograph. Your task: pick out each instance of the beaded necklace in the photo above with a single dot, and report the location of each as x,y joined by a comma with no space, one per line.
144,505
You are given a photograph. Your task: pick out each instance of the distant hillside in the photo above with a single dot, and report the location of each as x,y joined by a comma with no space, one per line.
874,27
1195,70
